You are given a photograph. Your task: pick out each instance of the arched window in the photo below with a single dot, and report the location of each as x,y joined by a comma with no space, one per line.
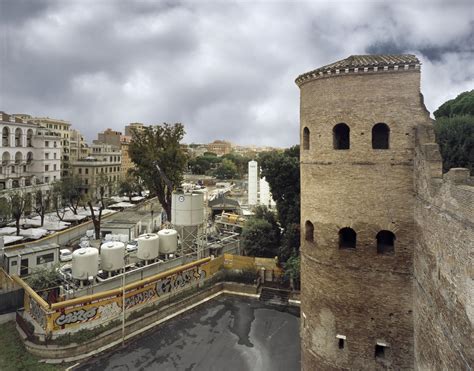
6,137
5,158
341,136
29,138
18,158
347,238
309,231
380,136
306,138
29,157
385,242
18,134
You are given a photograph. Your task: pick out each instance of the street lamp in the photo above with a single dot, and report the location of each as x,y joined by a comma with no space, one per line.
123,298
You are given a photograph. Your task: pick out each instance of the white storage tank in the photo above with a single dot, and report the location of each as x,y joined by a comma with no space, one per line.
148,246
168,241
111,255
85,263
187,209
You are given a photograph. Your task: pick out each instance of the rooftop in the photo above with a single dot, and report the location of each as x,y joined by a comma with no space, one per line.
363,63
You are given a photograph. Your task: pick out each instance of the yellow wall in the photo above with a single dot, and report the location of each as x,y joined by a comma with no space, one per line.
104,306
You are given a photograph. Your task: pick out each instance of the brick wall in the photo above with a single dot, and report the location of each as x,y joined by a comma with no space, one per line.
444,244
358,293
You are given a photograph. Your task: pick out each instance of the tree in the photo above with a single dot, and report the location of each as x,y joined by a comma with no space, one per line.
282,172
290,242
463,104
130,185
17,207
42,203
258,238
159,145
292,270
5,210
455,136
226,170
69,190
241,163
97,197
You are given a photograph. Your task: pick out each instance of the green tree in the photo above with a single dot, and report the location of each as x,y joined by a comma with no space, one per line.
292,270
159,145
463,104
290,244
203,164
241,163
258,238
226,170
455,136
282,172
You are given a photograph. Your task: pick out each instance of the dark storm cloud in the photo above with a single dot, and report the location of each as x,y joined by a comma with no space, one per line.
224,69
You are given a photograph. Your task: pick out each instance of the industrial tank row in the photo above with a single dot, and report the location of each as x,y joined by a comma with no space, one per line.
85,261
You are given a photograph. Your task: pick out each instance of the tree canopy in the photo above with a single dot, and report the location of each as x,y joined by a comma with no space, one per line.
159,145
282,172
454,129
463,104
455,136
226,170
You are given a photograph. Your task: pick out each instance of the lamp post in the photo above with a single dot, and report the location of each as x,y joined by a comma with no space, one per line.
123,299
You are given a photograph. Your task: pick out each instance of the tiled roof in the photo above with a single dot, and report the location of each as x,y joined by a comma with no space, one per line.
361,62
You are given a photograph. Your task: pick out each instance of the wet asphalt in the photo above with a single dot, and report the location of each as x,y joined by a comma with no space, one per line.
227,333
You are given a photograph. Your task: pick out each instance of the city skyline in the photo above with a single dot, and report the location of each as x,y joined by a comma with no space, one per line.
225,70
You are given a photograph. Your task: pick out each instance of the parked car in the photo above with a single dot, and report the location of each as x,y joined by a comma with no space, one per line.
65,255
132,246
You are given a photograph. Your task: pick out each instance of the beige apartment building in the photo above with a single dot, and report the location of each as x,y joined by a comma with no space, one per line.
100,169
127,163
77,146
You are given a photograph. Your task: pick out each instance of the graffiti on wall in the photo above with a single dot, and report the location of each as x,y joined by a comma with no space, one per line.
179,280
140,297
111,307
37,313
77,316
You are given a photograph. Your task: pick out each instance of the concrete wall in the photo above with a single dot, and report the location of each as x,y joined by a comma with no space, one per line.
358,293
444,246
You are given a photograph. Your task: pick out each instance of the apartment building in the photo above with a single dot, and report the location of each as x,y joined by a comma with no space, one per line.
62,128
30,155
77,145
100,169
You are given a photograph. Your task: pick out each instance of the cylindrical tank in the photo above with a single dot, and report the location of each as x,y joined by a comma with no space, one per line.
168,241
111,255
187,209
85,263
148,246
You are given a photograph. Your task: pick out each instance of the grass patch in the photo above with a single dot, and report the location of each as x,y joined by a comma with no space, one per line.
13,355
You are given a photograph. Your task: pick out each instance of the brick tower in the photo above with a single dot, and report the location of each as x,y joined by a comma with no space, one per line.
358,119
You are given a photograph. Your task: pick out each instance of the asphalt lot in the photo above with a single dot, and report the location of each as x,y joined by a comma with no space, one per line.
226,333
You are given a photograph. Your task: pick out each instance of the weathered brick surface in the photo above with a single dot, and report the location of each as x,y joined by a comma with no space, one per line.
418,300
443,265
360,294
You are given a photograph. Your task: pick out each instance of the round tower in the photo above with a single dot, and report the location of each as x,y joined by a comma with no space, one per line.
358,118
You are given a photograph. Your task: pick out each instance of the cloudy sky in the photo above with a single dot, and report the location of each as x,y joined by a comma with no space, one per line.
224,69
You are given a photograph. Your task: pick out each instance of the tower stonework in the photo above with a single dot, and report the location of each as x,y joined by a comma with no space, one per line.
358,119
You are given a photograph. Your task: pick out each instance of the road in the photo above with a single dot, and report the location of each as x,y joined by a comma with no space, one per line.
226,333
